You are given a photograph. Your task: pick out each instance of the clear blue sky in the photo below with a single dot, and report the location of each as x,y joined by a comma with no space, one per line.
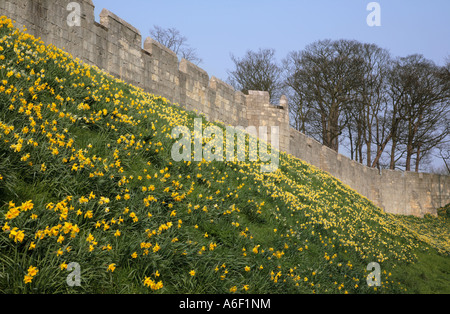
217,28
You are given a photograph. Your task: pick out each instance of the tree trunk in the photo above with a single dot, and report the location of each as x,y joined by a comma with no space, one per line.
418,158
394,146
369,144
350,136
409,153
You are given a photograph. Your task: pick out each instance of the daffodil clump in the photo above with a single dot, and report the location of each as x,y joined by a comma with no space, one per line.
86,177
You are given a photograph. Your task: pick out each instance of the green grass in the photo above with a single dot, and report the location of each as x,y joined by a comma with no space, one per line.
87,176
430,274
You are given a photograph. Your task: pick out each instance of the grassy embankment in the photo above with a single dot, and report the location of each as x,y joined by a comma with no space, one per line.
86,176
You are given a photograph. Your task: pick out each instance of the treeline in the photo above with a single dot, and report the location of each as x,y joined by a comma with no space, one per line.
388,112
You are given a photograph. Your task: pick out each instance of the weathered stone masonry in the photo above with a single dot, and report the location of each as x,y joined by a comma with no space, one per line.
116,47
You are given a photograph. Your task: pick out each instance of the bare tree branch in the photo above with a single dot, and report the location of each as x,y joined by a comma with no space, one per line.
175,41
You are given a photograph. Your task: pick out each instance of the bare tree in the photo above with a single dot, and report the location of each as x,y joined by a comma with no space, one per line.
444,154
423,105
296,90
444,148
386,108
175,41
257,71
324,77
349,92
367,111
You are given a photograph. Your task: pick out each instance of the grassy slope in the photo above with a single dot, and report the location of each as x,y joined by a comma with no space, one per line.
86,176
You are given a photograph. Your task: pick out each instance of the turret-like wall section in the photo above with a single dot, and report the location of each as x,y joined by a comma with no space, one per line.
118,48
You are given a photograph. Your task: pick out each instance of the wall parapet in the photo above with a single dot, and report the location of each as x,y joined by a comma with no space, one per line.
116,47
